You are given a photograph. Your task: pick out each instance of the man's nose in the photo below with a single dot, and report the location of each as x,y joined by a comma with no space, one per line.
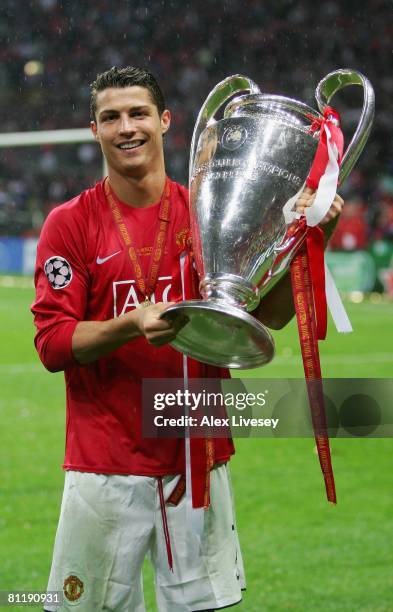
127,124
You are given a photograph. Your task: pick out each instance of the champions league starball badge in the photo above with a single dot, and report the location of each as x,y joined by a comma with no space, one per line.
58,272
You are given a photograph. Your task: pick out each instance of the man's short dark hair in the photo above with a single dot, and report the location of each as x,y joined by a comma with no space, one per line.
126,77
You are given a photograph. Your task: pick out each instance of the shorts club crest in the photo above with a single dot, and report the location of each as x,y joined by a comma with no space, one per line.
58,272
73,588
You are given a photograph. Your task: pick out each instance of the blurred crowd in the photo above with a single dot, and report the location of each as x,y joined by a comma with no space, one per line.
51,50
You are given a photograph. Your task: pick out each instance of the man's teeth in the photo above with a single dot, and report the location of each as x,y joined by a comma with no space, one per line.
131,145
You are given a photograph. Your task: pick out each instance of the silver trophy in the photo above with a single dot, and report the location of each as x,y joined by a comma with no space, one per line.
244,168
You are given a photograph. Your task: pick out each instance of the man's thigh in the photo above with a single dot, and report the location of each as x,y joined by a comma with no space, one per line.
207,575
104,532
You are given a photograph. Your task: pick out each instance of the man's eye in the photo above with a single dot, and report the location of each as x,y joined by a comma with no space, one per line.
109,118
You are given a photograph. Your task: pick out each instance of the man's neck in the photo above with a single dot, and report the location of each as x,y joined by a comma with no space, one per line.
138,191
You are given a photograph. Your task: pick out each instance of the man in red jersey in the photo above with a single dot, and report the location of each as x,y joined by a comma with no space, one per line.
107,267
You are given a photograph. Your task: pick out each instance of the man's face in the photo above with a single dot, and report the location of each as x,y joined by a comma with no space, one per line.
130,130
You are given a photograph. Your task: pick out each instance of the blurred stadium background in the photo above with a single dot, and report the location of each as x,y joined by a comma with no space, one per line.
300,554
50,53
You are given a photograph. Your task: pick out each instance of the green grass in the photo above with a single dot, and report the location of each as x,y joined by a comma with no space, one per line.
301,554
365,353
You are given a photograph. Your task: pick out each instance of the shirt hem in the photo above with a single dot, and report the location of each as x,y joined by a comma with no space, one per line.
67,467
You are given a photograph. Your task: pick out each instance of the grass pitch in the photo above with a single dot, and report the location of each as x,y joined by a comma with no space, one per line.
300,553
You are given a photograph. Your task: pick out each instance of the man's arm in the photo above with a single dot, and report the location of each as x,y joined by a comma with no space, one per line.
276,308
94,339
63,337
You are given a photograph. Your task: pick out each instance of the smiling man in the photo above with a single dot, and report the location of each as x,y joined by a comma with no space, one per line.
108,264
107,267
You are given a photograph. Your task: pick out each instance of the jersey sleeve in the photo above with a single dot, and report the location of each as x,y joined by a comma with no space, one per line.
61,280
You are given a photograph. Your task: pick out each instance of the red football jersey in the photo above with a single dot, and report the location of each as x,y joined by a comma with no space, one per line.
83,272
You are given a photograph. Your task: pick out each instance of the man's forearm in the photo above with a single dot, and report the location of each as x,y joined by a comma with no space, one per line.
94,339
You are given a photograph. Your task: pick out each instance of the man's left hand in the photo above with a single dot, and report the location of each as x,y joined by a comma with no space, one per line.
307,199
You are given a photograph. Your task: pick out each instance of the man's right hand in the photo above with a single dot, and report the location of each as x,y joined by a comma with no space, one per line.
94,339
157,331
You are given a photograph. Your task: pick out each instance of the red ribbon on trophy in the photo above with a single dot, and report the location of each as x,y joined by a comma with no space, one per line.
308,280
334,136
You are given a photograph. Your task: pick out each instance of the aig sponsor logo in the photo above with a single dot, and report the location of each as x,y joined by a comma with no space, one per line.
125,296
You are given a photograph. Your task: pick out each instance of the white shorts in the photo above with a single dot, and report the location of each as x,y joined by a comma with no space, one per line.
109,524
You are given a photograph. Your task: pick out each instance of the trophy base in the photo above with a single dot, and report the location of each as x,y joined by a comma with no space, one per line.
221,335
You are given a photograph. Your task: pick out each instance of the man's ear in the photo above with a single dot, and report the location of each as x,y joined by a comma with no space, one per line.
165,121
93,127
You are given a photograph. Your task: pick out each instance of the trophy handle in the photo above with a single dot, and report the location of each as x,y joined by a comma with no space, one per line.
331,84
221,93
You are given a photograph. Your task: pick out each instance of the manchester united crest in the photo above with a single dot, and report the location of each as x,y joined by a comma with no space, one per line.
183,238
73,588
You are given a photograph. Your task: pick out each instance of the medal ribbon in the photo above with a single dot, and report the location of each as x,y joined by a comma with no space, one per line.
145,286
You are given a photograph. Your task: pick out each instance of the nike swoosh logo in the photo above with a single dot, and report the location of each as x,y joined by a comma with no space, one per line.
102,260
